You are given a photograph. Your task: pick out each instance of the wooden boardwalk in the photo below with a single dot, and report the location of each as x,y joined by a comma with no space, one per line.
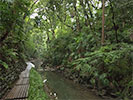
20,89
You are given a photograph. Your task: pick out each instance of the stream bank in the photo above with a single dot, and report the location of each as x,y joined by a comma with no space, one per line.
66,89
59,87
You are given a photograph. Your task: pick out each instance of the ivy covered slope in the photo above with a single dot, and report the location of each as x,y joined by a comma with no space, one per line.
36,90
90,40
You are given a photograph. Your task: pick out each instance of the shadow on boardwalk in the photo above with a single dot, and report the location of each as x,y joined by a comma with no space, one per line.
20,89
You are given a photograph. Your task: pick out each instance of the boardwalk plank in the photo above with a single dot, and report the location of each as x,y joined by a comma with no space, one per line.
20,90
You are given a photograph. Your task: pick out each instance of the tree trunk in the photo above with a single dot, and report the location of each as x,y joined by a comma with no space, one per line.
114,24
102,40
78,28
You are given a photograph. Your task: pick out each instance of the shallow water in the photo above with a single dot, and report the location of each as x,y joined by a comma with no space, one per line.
67,90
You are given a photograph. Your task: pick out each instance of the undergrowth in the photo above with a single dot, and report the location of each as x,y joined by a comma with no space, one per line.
106,68
36,91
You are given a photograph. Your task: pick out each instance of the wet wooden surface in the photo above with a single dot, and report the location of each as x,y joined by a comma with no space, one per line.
20,89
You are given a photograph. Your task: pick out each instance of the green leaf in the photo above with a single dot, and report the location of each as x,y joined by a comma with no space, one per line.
4,64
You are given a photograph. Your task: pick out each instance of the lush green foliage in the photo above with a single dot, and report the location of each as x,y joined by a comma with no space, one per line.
16,41
36,91
67,33
74,41
108,67
12,34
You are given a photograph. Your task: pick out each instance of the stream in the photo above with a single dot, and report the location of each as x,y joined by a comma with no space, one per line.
66,89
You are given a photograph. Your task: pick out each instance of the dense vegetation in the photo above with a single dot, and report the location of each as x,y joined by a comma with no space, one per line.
36,91
90,40
12,38
15,40
80,42
12,35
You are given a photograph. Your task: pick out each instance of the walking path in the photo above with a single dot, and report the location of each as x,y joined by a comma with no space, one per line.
20,89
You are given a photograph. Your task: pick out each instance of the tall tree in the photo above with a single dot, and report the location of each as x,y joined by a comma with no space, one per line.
103,6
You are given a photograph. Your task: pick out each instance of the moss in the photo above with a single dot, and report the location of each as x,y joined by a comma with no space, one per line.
36,91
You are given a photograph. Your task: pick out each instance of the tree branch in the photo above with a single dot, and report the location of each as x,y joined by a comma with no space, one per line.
30,8
64,23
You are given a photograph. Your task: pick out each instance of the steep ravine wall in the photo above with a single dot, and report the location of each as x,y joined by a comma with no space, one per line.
9,76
